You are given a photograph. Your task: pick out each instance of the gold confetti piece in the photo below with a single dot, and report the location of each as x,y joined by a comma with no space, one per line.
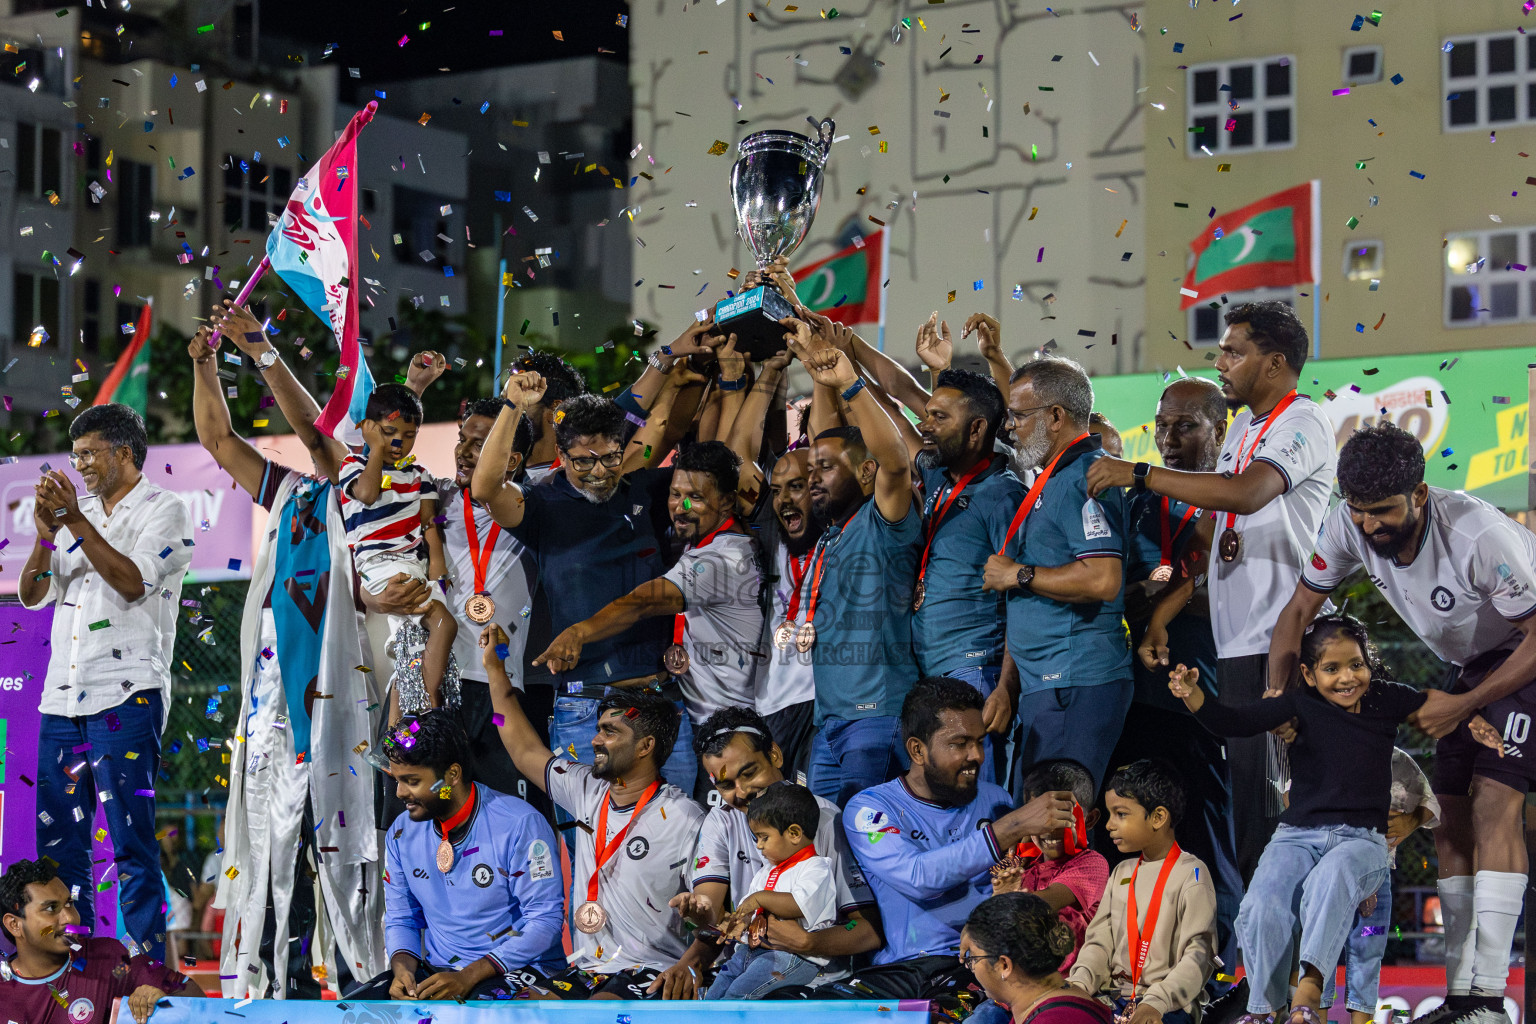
258,423
424,119
1121,228
874,129
558,35
1223,168
733,273
1429,401
951,296
791,9
1032,211
883,148
231,872
718,149
1380,322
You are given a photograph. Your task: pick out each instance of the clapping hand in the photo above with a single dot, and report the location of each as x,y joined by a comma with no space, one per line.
989,335
934,345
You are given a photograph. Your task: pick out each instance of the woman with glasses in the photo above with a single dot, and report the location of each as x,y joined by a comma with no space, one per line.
1013,944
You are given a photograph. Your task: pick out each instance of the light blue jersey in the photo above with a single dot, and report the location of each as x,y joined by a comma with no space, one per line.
502,898
928,865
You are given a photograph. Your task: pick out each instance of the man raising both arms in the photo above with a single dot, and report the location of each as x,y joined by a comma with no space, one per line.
1463,576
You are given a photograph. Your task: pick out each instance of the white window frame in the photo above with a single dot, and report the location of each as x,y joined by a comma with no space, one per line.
1489,275
1286,295
1347,79
1374,271
1482,81
1258,106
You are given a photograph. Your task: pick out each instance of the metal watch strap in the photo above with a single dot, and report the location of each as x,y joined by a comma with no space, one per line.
658,365
266,359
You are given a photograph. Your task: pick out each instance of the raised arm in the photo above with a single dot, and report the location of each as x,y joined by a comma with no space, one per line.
745,436
210,414
490,486
529,754
989,339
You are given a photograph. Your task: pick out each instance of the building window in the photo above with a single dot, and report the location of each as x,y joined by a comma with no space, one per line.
39,156
135,202
1362,65
36,305
422,226
253,191
90,306
1206,325
1489,81
1362,261
1242,106
1486,279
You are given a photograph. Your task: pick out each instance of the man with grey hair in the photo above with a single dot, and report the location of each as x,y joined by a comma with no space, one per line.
1062,571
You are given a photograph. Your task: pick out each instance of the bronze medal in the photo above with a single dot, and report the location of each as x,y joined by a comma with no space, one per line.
590,917
918,593
805,638
1230,544
445,856
675,659
1162,574
784,635
480,608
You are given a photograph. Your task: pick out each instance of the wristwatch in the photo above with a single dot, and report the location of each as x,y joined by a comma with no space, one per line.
658,365
1139,474
266,359
1026,576
734,385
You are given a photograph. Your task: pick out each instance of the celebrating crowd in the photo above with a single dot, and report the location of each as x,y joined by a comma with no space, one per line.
895,701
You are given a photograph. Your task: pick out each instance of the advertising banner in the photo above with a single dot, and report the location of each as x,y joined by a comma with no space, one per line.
674,1011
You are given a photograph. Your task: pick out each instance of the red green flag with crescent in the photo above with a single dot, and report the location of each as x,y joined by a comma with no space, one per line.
845,285
1270,243
128,383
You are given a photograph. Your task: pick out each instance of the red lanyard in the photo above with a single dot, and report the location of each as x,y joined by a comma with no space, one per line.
1139,942
481,562
804,853
1164,517
604,852
940,511
1269,421
459,817
1028,505
823,546
798,567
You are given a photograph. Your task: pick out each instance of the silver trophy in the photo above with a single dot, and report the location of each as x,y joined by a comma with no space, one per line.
776,188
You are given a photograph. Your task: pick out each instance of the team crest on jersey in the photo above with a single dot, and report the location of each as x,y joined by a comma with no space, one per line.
81,1010
1442,599
483,876
541,863
637,848
868,819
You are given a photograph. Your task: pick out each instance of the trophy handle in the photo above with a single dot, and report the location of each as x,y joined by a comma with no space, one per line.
824,132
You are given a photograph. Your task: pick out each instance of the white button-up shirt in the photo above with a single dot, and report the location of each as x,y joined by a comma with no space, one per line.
106,648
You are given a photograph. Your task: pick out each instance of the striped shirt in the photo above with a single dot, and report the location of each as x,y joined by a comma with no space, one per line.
392,524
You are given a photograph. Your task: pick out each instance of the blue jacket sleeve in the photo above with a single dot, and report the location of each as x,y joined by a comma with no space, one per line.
918,874
403,918
529,858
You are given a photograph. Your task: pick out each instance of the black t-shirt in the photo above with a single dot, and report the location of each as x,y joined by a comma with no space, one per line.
1341,762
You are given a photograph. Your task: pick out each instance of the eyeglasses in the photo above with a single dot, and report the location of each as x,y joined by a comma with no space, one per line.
586,463
1019,414
78,459
970,960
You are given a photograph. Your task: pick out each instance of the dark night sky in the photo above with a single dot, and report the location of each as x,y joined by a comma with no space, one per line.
368,32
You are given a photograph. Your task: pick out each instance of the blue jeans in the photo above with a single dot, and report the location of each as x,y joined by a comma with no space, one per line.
1309,880
753,973
1082,723
101,745
849,757
1363,952
575,723
984,678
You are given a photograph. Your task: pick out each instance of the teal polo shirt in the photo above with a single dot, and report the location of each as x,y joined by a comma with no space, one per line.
1055,644
1189,634
862,661
961,625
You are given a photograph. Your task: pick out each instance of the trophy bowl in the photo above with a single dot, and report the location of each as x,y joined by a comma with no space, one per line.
775,188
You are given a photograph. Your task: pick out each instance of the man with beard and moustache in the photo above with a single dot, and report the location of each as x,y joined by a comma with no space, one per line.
928,840
632,846
1462,575
1061,567
1271,488
484,562
472,887
710,596
958,628
855,608
596,534
737,749
115,557
561,381
1169,552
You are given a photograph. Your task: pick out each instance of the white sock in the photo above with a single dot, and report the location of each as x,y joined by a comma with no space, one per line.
1460,932
1498,897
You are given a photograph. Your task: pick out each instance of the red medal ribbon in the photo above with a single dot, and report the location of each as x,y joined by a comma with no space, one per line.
1274,414
1028,504
605,851
458,818
798,567
730,521
1138,943
804,853
939,513
482,563
1164,516
823,546
679,622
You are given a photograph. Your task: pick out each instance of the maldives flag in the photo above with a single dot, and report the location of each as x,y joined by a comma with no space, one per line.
1267,244
845,285
314,250
128,383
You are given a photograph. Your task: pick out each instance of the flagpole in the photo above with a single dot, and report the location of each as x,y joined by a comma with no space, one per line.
885,264
245,293
1316,213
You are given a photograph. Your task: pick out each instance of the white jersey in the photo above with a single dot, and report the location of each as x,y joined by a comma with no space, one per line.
1275,539
813,885
720,583
510,578
637,881
1472,578
788,679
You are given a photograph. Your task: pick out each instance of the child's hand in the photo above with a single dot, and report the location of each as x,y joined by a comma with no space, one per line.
697,909
373,437
1145,1013
1008,875
1368,905
491,637
1400,827
1486,734
732,925
748,906
1183,683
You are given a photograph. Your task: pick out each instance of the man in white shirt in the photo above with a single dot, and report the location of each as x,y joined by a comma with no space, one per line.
1271,489
1462,575
111,564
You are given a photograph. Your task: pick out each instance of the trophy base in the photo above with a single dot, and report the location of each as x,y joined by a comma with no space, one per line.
753,316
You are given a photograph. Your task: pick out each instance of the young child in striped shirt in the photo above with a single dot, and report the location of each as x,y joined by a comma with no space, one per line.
389,503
